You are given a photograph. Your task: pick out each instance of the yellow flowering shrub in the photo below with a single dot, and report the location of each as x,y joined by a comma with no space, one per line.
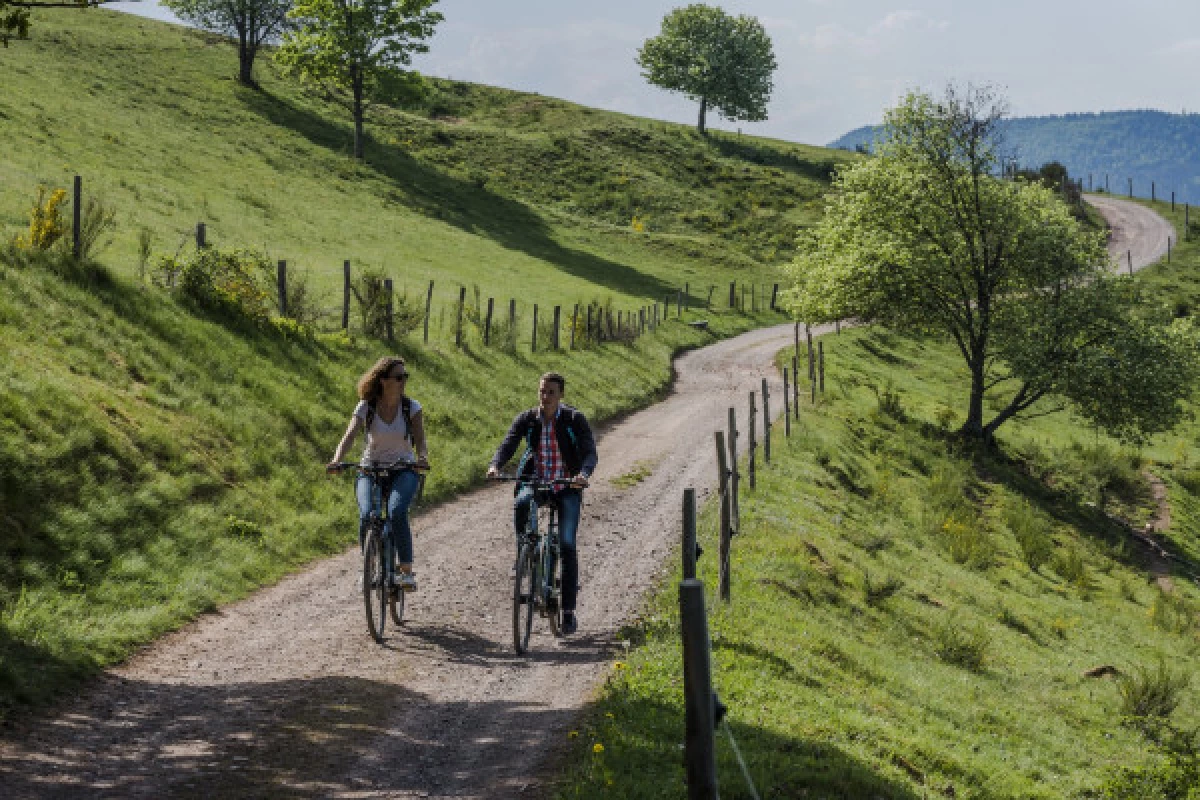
46,225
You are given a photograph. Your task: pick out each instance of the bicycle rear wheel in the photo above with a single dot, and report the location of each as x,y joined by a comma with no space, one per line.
396,605
524,595
375,589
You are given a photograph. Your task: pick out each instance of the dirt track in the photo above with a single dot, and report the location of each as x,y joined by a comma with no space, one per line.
285,695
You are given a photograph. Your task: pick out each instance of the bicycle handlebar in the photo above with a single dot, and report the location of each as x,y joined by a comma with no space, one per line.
377,469
558,483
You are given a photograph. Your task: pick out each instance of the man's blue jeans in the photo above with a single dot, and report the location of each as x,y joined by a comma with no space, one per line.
570,501
398,493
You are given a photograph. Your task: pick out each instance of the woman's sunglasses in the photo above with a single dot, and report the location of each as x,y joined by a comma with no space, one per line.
403,376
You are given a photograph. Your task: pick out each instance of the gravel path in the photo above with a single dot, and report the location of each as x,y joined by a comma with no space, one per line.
285,695
1137,233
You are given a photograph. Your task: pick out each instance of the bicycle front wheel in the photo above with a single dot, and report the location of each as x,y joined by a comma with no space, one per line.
396,604
524,595
552,572
375,589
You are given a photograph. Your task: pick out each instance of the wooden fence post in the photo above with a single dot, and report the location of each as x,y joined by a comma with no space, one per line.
387,288
557,323
821,363
1129,257
281,283
725,490
574,322
812,367
708,301
201,236
679,305
732,294
346,295
77,218
774,295
487,323
766,395
1152,197
462,301
533,346
591,337
512,320
610,324
428,309
1131,188
1172,201
787,410
796,387
753,446
699,702
735,477
689,534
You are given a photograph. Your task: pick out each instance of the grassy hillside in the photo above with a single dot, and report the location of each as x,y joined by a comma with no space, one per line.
478,186
911,619
156,461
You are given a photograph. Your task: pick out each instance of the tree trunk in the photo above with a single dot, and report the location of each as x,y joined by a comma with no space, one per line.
703,114
245,63
358,115
973,427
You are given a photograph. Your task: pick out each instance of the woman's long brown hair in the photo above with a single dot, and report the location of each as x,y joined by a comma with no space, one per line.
370,384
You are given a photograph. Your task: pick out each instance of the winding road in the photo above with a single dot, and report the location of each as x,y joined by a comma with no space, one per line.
285,695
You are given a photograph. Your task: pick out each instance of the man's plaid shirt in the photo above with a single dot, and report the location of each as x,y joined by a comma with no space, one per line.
550,466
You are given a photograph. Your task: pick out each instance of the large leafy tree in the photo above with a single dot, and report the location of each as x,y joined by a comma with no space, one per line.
253,22
925,238
718,60
358,48
14,15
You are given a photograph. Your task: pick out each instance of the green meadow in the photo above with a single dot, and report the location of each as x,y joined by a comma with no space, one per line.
911,618
158,460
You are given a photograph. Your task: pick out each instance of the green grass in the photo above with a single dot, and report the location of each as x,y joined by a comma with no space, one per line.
521,195
155,462
966,671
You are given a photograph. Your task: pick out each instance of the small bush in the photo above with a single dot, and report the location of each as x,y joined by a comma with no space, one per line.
876,595
1151,693
46,225
97,221
1071,565
1031,531
304,304
959,645
228,282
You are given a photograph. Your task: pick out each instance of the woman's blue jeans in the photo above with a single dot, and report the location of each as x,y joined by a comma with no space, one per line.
398,492
569,503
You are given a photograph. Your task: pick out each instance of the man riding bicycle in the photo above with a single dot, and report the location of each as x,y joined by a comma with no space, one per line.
559,446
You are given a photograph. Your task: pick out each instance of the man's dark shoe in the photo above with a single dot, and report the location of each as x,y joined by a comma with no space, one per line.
569,625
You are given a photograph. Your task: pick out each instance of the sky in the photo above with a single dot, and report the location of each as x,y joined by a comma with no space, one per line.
841,63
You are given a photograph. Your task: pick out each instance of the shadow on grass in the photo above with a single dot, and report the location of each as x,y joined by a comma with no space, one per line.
644,760
464,205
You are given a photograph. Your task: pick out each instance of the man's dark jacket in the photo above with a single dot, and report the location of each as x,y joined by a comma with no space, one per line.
571,429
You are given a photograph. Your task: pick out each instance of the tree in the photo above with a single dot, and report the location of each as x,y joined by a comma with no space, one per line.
924,237
14,15
715,59
254,22
358,47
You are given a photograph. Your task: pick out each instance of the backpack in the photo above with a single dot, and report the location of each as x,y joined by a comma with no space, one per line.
405,409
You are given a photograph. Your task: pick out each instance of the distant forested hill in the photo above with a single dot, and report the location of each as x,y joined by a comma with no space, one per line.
1143,145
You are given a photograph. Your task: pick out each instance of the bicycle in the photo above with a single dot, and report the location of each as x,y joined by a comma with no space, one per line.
537,585
380,594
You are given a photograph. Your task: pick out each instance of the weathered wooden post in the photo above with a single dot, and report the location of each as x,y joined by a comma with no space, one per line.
787,410
533,345
462,301
687,296
77,218
725,497
487,323
387,288
1172,201
753,447
699,701
1152,197
620,327
1131,188
608,314
689,533
281,285
346,295
732,294
821,363
796,387
735,477
708,300
774,295
512,320
766,395
201,236
557,322
574,323
428,310
1129,258
591,337
812,373
679,304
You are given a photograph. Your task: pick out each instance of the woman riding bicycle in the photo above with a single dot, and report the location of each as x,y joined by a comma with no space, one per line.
395,428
